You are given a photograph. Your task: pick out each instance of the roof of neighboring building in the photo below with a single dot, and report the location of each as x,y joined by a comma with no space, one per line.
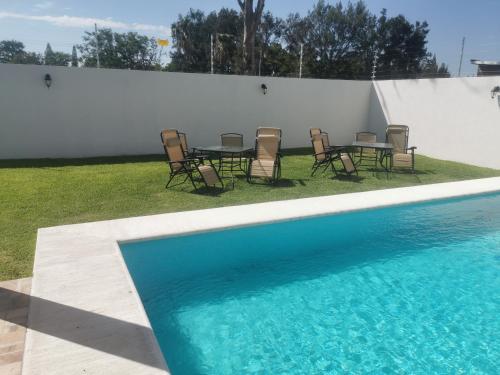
484,62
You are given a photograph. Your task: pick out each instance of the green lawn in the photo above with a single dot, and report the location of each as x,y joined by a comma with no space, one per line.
42,193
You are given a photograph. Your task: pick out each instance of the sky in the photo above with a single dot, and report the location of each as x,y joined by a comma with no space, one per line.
62,22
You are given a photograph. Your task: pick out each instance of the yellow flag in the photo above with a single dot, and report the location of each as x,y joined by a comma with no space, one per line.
162,42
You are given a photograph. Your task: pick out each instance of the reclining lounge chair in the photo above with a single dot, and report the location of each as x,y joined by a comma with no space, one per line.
180,165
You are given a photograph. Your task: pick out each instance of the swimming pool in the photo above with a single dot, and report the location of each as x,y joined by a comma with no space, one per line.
410,289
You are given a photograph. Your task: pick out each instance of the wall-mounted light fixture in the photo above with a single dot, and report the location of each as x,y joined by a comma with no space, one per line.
264,88
495,91
48,80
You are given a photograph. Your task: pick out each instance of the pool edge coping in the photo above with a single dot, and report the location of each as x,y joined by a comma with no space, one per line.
67,248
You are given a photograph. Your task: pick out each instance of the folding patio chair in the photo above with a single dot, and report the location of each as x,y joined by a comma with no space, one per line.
401,155
263,130
190,154
266,163
325,157
180,165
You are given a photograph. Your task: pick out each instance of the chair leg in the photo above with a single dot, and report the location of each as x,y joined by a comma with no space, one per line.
169,180
314,168
192,181
249,173
334,169
218,176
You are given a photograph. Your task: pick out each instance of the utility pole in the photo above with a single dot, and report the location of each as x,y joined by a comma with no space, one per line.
461,58
97,46
300,61
211,53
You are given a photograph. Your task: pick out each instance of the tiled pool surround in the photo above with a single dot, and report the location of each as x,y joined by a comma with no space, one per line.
85,313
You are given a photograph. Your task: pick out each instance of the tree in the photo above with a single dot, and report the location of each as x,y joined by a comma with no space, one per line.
12,51
29,58
336,39
295,32
252,20
74,57
401,46
137,52
272,58
192,35
55,58
121,51
431,69
339,41
49,54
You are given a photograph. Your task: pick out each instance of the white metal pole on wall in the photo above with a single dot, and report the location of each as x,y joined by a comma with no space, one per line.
211,53
300,62
97,46
374,67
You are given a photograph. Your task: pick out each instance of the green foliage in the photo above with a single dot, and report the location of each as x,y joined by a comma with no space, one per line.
43,193
402,49
55,58
12,51
74,57
191,36
339,41
431,69
120,50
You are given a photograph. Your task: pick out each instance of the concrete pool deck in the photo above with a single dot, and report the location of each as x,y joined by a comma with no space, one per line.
85,315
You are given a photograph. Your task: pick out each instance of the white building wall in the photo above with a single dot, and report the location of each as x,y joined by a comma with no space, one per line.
453,119
91,112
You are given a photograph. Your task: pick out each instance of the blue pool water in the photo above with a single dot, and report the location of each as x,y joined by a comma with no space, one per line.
409,290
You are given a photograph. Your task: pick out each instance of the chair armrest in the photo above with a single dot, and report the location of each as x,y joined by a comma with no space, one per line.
322,153
412,148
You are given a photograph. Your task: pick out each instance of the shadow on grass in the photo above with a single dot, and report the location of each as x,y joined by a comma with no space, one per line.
299,151
281,183
211,191
356,179
124,159
50,163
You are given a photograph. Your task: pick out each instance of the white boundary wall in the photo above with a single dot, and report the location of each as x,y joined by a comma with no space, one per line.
91,112
453,119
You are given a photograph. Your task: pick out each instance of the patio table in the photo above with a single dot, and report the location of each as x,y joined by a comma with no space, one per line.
380,148
233,151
